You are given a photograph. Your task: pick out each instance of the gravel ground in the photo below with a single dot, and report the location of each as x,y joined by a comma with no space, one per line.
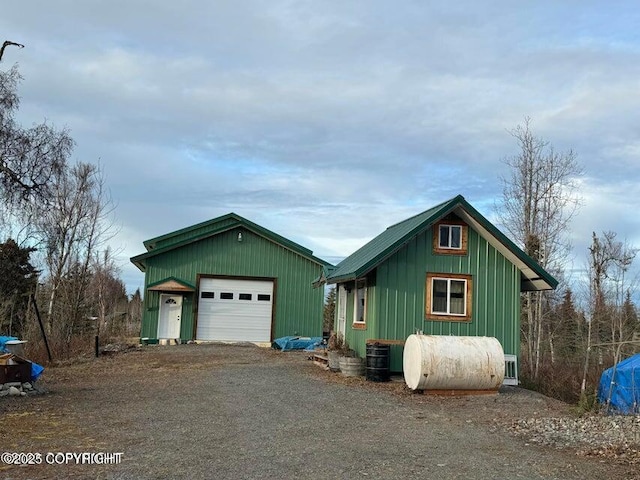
610,437
220,411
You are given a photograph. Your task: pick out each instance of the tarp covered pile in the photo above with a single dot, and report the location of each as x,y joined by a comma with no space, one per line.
296,343
36,370
619,387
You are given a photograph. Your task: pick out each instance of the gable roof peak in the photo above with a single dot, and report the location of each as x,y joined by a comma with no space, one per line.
216,226
451,202
376,251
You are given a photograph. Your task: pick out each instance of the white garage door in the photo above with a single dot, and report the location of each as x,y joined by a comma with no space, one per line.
235,310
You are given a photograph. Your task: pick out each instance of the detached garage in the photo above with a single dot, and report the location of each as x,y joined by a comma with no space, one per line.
229,279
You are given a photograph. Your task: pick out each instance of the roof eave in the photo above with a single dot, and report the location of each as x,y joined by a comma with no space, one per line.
535,285
341,279
445,208
538,276
139,262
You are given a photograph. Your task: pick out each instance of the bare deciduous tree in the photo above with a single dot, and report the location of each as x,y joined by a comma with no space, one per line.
609,262
29,157
609,298
63,212
107,293
538,202
73,228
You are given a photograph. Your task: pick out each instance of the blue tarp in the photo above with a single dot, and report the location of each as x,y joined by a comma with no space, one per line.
4,340
36,370
295,343
624,390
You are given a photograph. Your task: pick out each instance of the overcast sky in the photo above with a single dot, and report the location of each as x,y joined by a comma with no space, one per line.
327,121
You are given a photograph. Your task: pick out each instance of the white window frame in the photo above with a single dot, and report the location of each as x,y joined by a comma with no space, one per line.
448,246
363,284
464,300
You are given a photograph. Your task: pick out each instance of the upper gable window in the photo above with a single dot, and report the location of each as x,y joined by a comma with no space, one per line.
450,238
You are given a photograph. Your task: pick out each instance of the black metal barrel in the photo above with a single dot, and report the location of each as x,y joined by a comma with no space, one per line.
378,362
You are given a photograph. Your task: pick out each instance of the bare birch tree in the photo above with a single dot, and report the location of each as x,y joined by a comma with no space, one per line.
538,202
611,313
73,228
609,262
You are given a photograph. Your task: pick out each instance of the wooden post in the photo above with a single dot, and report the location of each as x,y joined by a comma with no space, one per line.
44,335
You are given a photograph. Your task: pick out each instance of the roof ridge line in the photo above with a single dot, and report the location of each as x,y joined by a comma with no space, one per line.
435,207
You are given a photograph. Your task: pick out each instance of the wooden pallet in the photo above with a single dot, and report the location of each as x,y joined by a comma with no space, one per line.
321,359
456,393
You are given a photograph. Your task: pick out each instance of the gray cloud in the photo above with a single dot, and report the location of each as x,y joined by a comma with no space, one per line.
329,121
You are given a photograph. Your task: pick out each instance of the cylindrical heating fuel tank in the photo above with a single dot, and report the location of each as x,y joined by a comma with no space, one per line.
441,362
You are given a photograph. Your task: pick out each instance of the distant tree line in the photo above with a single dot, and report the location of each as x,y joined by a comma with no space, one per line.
54,223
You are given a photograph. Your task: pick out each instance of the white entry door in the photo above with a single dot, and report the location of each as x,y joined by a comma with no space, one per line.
342,310
169,316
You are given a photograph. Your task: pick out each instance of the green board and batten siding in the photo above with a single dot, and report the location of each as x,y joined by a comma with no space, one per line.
396,264
397,288
216,251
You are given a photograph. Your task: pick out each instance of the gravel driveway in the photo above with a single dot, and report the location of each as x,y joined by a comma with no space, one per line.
240,412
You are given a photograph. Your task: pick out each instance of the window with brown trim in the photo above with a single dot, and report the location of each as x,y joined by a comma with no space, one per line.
450,238
449,297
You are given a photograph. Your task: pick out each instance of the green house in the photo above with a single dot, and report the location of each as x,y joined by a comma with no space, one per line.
229,279
445,271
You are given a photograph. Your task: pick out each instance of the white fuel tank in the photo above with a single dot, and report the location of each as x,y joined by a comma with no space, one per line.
441,362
